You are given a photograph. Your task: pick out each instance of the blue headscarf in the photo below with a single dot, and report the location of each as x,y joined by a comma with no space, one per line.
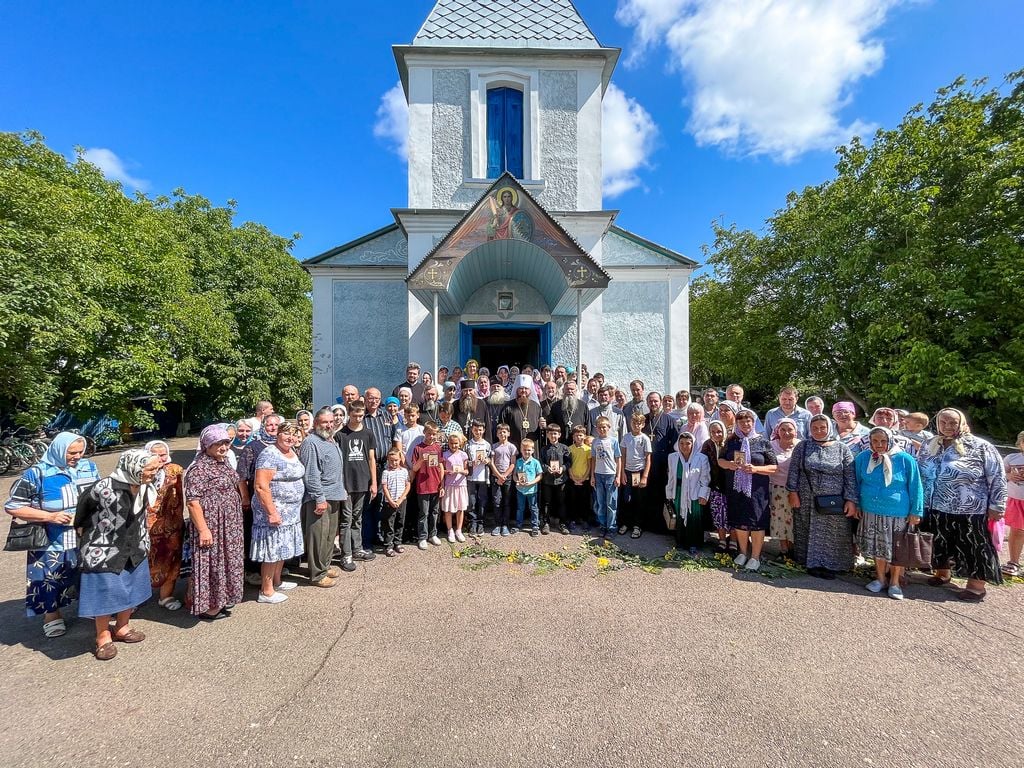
55,460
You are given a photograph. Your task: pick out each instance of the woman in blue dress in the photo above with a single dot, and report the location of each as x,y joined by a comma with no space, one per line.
47,493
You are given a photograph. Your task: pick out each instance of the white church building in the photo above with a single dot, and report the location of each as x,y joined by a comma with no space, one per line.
504,252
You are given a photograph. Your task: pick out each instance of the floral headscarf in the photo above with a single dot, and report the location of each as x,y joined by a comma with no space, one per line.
883,459
831,428
130,465
963,430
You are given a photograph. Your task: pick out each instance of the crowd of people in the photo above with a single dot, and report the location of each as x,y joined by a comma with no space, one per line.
543,451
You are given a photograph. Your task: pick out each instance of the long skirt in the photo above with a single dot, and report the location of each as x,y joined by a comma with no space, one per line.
822,541
690,533
782,514
52,579
218,570
963,543
877,533
104,594
719,510
456,499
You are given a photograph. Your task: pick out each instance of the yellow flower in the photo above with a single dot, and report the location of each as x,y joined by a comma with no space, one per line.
457,553
603,562
607,543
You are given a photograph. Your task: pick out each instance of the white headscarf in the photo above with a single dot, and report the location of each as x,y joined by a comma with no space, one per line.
883,459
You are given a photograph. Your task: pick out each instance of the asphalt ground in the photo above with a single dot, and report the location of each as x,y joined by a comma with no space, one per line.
419,661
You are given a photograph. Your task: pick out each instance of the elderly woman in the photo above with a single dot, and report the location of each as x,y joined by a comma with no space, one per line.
165,520
243,435
695,424
822,489
748,463
888,418
215,494
277,513
714,449
47,493
784,440
849,430
964,488
891,498
111,522
687,491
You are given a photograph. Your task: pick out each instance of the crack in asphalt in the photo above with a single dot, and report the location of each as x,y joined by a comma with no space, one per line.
327,654
966,618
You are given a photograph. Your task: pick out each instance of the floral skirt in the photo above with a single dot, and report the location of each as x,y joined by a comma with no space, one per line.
272,544
876,534
963,543
782,514
52,578
719,510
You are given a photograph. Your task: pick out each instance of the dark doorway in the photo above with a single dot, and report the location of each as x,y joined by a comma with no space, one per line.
506,346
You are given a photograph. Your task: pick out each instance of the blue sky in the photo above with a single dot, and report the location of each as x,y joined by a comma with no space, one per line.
723,106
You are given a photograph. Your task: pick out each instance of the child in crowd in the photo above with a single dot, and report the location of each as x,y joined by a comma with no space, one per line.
503,463
916,430
1014,465
636,447
456,496
578,491
395,485
428,478
605,475
412,434
528,475
448,426
554,457
479,452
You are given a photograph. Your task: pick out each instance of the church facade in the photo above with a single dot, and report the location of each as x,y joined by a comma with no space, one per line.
504,251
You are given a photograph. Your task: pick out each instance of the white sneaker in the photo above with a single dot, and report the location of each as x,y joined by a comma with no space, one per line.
253,579
753,564
740,560
423,544
459,536
895,592
286,585
435,541
451,535
277,597
875,586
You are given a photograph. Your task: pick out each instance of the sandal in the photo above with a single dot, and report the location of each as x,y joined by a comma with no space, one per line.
935,581
221,614
170,603
1011,569
636,532
105,652
722,548
131,636
971,597
54,628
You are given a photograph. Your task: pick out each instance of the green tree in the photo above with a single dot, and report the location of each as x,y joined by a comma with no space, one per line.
899,281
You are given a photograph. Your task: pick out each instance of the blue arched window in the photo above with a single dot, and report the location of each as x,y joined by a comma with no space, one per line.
504,132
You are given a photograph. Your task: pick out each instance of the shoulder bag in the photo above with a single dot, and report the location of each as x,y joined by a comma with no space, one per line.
912,548
828,504
24,537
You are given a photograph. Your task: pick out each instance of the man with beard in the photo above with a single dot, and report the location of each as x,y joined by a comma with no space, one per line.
569,412
606,408
637,404
428,411
549,396
471,407
325,491
661,428
495,398
523,414
412,381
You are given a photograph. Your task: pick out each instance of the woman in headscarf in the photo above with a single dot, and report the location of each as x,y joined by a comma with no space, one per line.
714,449
243,435
849,430
727,411
747,463
215,494
784,439
695,424
687,491
47,493
822,468
304,421
165,520
964,489
114,545
888,418
891,498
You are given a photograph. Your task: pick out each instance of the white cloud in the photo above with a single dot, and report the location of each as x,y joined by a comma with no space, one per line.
393,121
113,167
767,77
627,140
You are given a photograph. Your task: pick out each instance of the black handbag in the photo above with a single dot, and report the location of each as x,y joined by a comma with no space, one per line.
24,537
827,504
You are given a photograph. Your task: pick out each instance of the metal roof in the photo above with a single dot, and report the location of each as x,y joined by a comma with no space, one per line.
510,23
